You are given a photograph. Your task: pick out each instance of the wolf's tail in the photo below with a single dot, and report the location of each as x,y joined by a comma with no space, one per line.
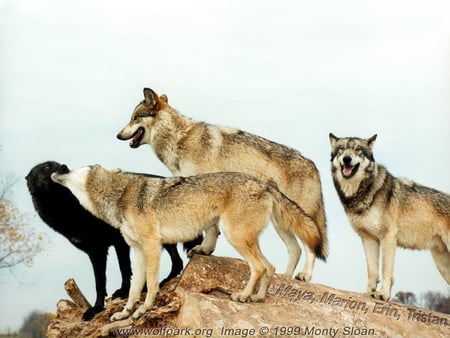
320,220
290,216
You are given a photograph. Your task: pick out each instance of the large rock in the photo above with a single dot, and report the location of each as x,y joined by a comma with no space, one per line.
198,304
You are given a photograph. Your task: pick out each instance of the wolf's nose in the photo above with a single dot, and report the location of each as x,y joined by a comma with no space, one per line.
63,169
120,137
347,159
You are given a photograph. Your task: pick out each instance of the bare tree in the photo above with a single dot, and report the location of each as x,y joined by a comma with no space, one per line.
18,244
407,298
445,305
432,300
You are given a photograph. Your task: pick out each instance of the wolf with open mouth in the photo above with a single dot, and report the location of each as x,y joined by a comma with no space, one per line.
188,147
351,160
387,211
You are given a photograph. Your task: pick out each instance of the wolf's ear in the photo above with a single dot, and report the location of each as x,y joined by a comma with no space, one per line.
371,140
164,98
333,139
151,98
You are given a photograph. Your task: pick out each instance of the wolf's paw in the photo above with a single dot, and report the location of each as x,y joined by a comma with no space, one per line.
380,295
303,276
256,298
239,297
200,250
91,312
120,315
140,311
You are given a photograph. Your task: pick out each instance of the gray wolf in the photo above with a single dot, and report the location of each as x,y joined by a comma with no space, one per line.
153,211
387,212
190,148
58,208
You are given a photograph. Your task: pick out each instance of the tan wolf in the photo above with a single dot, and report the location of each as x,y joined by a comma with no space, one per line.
151,212
190,148
388,212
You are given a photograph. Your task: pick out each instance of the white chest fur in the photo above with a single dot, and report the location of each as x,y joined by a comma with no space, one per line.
370,222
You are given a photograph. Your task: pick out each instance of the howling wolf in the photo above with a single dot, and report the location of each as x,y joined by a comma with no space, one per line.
152,211
192,148
388,212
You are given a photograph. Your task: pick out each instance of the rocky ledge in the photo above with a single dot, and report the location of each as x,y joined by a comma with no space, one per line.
197,304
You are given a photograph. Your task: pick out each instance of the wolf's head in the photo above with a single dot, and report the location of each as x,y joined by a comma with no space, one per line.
93,186
39,181
76,181
351,157
144,116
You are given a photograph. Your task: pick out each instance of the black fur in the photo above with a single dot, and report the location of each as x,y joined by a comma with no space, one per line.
58,208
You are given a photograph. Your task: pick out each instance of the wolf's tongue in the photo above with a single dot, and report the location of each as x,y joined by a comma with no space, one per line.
136,138
347,170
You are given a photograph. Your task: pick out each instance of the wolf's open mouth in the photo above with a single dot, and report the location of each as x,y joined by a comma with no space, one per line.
348,171
137,138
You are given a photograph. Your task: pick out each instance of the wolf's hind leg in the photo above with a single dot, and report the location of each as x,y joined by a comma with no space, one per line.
306,274
209,242
265,281
442,260
246,243
292,246
257,270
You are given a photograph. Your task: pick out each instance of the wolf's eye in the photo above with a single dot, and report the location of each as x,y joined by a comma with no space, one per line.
357,148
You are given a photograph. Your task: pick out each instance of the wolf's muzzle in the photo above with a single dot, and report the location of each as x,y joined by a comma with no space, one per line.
347,160
63,169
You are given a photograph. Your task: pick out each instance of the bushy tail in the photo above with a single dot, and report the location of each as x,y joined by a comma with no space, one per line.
290,216
319,219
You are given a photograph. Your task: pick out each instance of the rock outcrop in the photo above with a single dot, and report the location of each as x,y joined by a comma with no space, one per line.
197,304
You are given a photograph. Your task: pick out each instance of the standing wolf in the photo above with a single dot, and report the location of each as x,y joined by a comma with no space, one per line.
62,212
388,212
191,148
153,211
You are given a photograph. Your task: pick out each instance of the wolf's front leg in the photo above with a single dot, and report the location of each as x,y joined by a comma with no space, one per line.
137,283
388,247
209,242
152,253
371,249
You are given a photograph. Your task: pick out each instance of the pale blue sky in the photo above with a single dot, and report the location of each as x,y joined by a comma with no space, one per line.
291,71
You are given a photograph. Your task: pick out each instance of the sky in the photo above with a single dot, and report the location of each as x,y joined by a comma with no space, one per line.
290,71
